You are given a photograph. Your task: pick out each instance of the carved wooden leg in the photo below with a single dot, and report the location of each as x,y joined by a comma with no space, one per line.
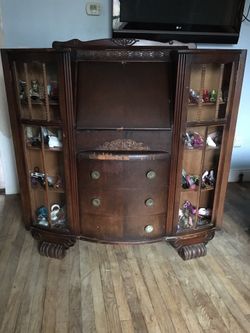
192,251
52,244
52,250
193,245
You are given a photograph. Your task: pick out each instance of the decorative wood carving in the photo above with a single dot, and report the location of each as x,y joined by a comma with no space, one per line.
123,144
120,54
52,250
124,41
53,245
192,251
191,246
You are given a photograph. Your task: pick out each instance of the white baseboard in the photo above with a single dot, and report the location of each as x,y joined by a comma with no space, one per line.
234,175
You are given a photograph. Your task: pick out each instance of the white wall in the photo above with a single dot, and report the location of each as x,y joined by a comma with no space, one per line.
7,157
33,23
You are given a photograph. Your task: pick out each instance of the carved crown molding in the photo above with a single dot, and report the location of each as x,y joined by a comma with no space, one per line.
120,54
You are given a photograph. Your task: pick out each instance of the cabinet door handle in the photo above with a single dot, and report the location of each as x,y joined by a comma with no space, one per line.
149,202
95,175
149,228
151,174
96,202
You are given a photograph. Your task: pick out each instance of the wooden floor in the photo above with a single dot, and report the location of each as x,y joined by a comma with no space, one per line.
107,288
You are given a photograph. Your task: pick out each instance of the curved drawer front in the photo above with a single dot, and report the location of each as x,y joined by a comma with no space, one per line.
125,202
123,229
123,195
123,170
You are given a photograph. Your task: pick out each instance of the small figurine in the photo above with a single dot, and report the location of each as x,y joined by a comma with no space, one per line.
193,140
193,96
57,216
189,181
54,211
52,89
42,216
37,177
22,89
54,142
204,216
213,96
34,90
214,139
186,216
208,178
205,96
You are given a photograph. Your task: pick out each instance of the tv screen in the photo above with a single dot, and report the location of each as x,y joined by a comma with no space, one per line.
188,21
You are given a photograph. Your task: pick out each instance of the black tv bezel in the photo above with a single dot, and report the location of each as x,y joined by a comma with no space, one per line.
187,34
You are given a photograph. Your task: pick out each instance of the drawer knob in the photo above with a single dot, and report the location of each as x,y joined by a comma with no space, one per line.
149,228
149,202
96,202
151,174
95,174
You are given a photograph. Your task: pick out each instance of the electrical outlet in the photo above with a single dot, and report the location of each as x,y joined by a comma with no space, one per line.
93,8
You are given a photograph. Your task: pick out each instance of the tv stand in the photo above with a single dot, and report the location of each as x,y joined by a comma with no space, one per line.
118,142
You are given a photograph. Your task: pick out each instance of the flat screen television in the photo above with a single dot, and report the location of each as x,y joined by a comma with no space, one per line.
196,21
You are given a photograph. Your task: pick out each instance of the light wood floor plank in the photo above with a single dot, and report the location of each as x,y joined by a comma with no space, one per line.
62,297
87,305
138,319
38,301
98,297
75,310
143,293
111,308
123,308
158,304
155,254
16,294
49,309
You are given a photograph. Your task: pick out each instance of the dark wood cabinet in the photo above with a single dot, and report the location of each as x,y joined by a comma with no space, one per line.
123,143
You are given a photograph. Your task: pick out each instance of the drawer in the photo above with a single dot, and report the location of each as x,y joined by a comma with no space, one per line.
125,202
123,228
144,170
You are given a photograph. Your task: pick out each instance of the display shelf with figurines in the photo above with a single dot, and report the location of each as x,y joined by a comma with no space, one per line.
44,160
208,92
202,146
37,90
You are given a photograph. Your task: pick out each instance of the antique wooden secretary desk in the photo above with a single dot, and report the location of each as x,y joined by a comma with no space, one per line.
117,142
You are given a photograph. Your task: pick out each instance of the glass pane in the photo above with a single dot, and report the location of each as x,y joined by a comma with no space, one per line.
208,92
37,89
44,160
202,148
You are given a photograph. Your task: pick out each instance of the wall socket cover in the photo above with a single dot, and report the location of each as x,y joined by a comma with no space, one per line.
93,8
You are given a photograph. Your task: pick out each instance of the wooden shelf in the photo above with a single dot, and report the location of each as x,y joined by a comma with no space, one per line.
205,104
45,149
39,102
193,149
189,190
44,123
209,188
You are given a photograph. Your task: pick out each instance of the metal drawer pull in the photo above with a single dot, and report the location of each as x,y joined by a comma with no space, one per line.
149,228
95,174
151,174
149,202
96,202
